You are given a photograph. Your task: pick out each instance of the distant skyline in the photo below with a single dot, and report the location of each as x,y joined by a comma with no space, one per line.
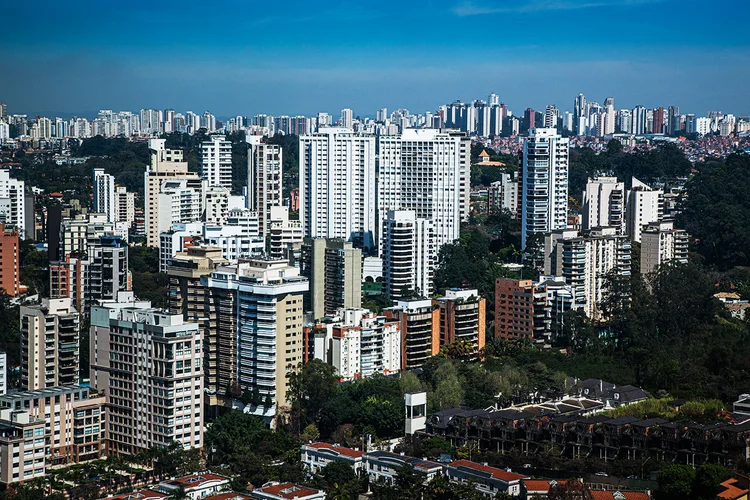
249,57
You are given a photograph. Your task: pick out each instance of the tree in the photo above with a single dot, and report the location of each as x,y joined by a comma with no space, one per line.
230,432
715,210
572,489
311,386
708,478
675,482
311,433
338,473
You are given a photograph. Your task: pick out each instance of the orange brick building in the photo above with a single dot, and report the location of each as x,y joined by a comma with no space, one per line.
9,262
463,316
519,309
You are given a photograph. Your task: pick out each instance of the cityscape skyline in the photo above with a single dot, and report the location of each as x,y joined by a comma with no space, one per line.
246,58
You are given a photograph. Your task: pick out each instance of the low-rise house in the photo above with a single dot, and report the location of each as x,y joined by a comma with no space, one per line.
384,466
735,488
315,456
487,480
138,495
287,491
619,495
197,486
538,488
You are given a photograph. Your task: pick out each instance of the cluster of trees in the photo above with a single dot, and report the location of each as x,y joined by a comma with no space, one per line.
484,175
677,482
242,446
148,282
345,412
716,212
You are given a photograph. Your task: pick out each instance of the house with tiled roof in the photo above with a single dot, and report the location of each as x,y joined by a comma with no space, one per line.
229,495
619,495
487,480
384,466
138,495
315,456
287,491
538,488
736,488
197,486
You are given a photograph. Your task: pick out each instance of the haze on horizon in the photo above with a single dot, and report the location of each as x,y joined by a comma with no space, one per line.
248,57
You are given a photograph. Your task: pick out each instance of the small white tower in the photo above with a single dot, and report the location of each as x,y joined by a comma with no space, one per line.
416,412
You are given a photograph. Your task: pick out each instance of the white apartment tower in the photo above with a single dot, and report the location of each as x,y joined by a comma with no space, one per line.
124,205
585,262
149,364
604,204
662,243
409,254
104,195
12,202
644,206
544,183
216,162
426,171
337,186
264,178
269,328
347,118
166,164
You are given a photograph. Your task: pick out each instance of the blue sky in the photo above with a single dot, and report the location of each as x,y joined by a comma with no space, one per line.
294,57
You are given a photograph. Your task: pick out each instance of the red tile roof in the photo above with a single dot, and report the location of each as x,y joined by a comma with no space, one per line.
338,449
610,495
230,495
496,473
540,485
732,491
288,490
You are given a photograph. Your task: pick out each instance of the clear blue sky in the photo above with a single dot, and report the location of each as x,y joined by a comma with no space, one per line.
294,57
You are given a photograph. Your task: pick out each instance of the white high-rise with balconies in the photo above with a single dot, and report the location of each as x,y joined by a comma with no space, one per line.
604,204
644,206
13,203
426,171
337,186
544,183
409,254
104,195
149,364
264,179
216,162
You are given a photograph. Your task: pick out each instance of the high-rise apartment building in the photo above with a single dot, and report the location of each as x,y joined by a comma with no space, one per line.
149,365
104,195
409,254
662,243
166,164
638,125
419,324
544,183
179,201
108,270
604,204
426,171
284,235
23,447
12,206
78,234
50,336
73,421
531,310
216,161
347,118
124,206
585,263
264,179
674,120
644,205
363,345
10,272
337,186
659,121
462,318
334,270
193,295
269,329
502,195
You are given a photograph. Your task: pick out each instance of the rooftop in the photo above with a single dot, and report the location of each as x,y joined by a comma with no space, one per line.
487,471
